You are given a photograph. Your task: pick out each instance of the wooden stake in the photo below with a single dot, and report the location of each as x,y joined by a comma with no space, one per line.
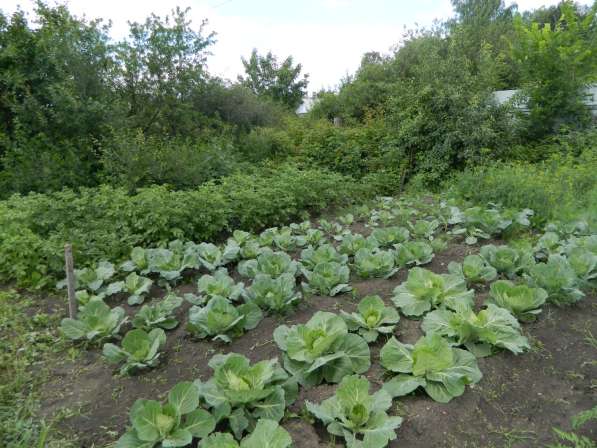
70,280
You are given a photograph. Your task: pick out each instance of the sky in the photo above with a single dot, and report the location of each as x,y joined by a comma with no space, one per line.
328,37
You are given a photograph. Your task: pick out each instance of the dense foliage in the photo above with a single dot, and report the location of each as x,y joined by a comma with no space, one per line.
108,222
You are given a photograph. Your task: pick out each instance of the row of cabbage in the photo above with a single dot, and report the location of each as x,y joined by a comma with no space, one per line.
334,348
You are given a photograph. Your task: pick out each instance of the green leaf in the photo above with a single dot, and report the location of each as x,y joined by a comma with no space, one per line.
184,397
199,423
273,406
130,440
113,353
267,434
144,417
238,422
431,354
219,440
396,356
403,384
73,329
179,437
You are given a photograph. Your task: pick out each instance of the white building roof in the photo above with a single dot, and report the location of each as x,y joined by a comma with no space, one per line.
503,96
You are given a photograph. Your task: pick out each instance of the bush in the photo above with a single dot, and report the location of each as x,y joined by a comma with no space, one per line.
566,143
106,222
562,187
354,151
265,143
37,163
131,159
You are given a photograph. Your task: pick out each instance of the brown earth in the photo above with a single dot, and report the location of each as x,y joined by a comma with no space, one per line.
516,404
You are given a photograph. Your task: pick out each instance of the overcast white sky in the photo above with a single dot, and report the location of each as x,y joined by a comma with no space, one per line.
327,36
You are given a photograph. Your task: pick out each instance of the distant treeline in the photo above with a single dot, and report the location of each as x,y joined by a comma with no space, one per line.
78,109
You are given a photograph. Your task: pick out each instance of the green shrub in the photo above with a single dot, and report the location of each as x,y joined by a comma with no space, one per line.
106,222
349,150
562,187
132,159
265,143
565,143
36,163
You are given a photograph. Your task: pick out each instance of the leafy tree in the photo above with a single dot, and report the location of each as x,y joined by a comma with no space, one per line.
162,72
482,27
56,98
281,82
556,64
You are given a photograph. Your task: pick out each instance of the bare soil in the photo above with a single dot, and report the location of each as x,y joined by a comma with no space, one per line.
516,404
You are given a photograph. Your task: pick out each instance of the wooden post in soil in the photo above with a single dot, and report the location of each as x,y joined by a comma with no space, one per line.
70,280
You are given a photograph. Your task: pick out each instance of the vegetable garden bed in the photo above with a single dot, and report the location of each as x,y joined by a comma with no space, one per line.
478,379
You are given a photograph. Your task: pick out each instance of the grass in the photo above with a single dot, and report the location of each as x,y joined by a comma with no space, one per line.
28,341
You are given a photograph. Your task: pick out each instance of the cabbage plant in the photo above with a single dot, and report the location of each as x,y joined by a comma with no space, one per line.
241,393
328,279
557,277
94,323
135,286
220,284
173,424
549,243
315,238
424,290
351,244
386,237
474,269
167,263
346,220
139,350
432,363
507,260
374,264
139,261
353,413
268,262
479,222
84,297
285,240
267,434
584,264
301,227
220,320
478,332
322,350
91,279
371,318
159,315
212,257
311,257
266,238
569,228
273,294
413,253
251,249
423,228
440,243
240,238
523,301
330,228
